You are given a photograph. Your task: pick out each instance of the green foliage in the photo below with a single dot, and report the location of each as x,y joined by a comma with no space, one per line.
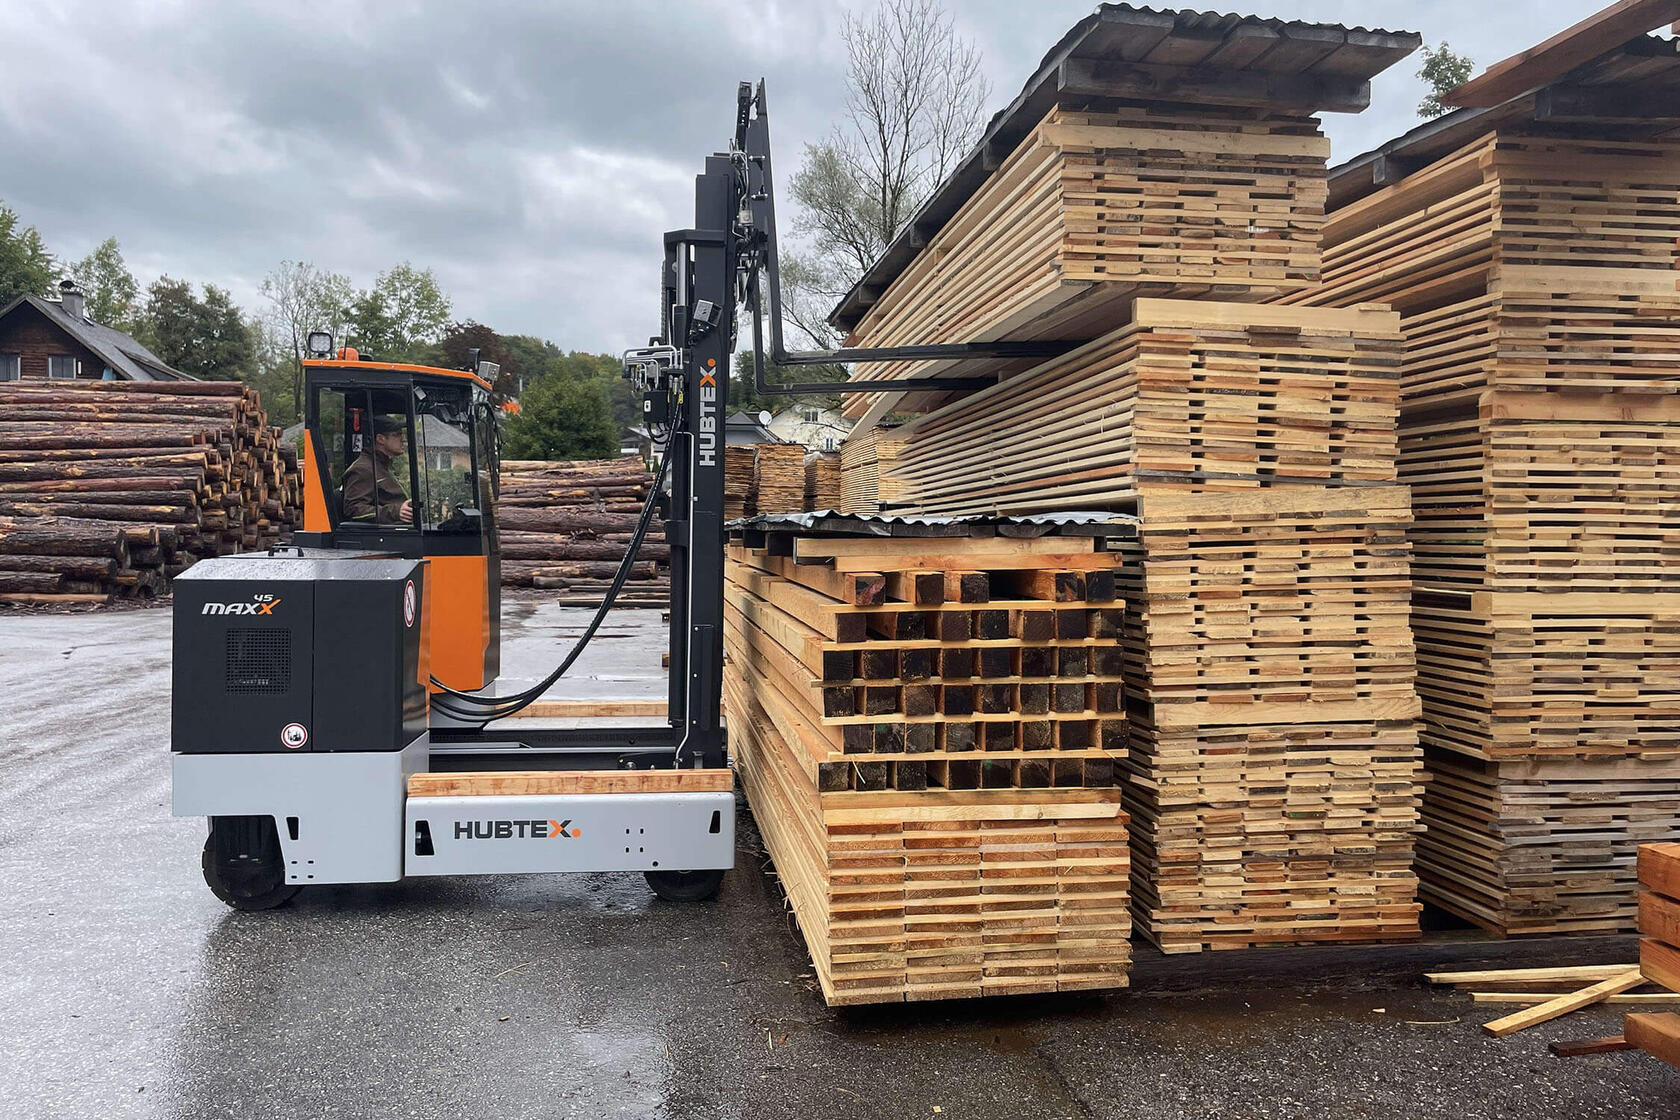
745,397
207,338
1445,71
400,317
26,268
562,416
305,299
113,297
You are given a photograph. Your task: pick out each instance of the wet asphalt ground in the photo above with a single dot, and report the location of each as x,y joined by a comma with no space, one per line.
127,990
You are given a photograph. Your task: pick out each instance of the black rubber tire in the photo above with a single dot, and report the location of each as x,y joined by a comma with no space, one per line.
684,886
243,864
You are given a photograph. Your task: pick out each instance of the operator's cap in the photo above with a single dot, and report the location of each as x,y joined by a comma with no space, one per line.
389,426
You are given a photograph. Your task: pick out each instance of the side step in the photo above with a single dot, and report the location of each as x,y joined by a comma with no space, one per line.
521,822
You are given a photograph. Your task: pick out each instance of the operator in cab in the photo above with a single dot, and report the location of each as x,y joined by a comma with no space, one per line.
372,490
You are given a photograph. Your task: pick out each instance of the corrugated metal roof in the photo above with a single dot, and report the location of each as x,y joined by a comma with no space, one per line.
1200,42
1099,523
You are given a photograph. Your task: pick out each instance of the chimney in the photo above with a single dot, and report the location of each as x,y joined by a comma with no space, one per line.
72,298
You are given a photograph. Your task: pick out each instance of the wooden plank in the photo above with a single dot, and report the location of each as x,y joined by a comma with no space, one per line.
1659,918
1499,975
1656,1034
1599,33
1660,963
1580,1047
1531,998
1659,868
600,709
512,783
1563,1005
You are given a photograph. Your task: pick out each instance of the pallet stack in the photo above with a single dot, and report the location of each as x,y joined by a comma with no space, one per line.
929,753
1540,434
1174,178
110,488
565,525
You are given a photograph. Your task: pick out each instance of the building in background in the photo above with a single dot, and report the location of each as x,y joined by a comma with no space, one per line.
818,427
42,339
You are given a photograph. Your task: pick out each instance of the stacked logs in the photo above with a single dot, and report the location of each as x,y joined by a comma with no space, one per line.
110,488
565,525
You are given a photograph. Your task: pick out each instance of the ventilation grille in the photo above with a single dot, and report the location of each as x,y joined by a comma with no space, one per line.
259,661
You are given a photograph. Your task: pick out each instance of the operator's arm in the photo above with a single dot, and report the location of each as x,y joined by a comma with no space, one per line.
359,502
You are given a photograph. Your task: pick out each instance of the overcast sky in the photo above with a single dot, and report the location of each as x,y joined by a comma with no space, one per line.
530,152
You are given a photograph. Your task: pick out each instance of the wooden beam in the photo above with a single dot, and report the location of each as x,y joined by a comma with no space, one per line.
1088,77
1657,1035
1580,1047
1540,65
1595,104
1564,1004
1502,975
600,709
512,783
1659,868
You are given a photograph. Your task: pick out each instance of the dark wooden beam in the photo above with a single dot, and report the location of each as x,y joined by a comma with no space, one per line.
1539,65
1085,77
1595,104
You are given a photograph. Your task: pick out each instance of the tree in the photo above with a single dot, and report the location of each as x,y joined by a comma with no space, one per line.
399,317
112,294
745,397
207,337
1445,72
914,98
305,299
452,352
26,268
562,416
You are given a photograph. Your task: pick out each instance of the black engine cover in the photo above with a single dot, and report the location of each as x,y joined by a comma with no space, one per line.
301,650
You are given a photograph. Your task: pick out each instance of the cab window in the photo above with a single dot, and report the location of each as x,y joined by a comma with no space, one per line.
364,437
449,499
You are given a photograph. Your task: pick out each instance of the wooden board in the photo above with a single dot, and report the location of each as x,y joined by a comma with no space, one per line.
1563,1005
512,783
1658,1034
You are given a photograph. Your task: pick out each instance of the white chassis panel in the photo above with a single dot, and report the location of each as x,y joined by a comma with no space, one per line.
487,835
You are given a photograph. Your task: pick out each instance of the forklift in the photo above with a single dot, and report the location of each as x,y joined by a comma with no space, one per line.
335,710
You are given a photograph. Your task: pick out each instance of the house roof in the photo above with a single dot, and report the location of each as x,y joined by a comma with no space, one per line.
126,357
1139,53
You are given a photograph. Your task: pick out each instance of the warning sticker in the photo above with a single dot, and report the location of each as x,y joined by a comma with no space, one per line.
294,735
408,604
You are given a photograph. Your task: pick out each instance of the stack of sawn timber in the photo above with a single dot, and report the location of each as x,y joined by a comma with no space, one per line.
1272,776
110,488
1659,948
926,730
1540,434
822,481
565,525
778,477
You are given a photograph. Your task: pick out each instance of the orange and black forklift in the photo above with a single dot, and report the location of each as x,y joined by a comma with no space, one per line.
357,734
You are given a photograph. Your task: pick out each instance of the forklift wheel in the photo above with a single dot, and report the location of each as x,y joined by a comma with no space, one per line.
243,864
684,886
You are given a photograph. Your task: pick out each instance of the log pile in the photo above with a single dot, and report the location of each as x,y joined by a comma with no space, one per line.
822,481
565,526
929,753
778,484
1540,434
110,488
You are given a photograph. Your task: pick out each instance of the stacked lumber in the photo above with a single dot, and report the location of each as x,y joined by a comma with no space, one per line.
927,740
110,488
862,458
778,477
1540,434
1189,396
822,481
739,500
1659,949
1092,209
565,526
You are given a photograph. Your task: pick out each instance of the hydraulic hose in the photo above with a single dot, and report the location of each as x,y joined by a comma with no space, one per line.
470,707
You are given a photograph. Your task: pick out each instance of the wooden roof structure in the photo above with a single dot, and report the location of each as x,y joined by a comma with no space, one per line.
1140,54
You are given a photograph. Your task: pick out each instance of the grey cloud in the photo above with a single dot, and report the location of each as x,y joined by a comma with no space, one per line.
531,152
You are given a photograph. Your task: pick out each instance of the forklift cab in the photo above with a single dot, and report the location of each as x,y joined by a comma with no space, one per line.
402,459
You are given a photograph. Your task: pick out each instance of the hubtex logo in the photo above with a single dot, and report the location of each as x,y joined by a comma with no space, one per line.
708,417
516,830
259,604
